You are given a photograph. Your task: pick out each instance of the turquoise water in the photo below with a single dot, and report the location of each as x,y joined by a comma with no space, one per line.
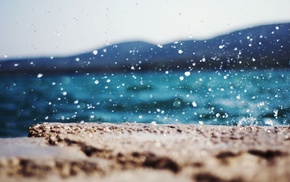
195,97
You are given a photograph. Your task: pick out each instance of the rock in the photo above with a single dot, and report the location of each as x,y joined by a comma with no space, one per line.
128,152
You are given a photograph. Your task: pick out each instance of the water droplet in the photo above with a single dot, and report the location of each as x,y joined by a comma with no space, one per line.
180,51
194,104
77,59
187,73
176,103
153,123
39,75
64,93
181,78
95,52
200,122
96,81
275,113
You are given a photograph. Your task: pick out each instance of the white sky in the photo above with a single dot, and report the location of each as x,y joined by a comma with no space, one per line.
54,27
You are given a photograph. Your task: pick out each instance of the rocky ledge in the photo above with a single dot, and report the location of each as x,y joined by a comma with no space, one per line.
146,152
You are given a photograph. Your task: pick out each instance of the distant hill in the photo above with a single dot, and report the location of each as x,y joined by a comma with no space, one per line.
261,47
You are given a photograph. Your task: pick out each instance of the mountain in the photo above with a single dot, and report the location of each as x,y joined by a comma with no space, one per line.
261,47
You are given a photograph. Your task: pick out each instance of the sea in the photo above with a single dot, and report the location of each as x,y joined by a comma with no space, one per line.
223,97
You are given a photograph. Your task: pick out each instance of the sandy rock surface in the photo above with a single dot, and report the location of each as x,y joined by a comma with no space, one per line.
146,152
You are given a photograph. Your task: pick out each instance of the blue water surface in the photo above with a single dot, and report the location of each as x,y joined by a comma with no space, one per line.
197,97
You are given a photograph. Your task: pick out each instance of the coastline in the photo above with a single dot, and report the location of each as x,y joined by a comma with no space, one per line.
146,152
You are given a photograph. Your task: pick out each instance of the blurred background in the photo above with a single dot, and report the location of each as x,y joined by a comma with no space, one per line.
59,28
189,61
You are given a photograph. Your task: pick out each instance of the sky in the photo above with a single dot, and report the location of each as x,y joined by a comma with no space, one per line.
33,28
